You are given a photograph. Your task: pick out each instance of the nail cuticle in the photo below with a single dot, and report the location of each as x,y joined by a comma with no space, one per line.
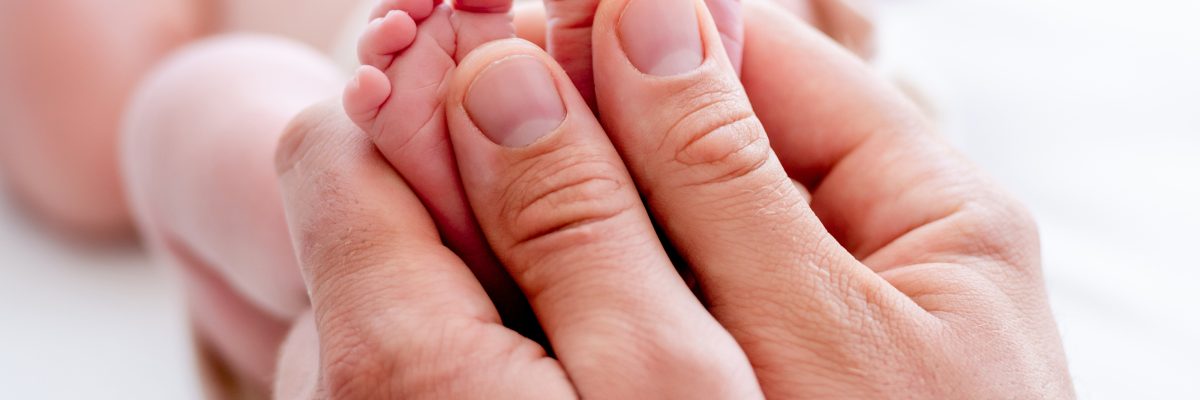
515,101
659,39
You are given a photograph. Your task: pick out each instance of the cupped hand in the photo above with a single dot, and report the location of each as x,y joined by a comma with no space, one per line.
233,248
908,275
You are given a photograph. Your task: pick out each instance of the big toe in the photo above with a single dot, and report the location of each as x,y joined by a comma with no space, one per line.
385,37
569,41
481,21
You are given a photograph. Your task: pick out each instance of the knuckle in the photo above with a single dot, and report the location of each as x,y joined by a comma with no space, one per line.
648,347
368,360
1005,231
561,196
706,363
718,139
453,351
303,134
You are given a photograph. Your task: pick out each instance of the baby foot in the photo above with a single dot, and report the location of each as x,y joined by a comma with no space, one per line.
408,52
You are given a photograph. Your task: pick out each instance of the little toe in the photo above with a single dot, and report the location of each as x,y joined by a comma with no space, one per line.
385,37
365,94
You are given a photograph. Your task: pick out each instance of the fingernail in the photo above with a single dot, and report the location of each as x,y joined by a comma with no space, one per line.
727,14
662,37
515,102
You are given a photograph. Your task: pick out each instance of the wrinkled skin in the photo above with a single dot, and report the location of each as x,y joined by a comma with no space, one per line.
233,247
908,275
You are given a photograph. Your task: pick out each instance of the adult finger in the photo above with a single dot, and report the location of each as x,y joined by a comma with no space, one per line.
674,108
840,128
397,313
569,36
563,215
415,143
848,22
821,112
771,272
894,194
815,100
890,191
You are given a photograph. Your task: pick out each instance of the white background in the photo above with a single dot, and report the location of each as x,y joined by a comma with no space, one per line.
1088,110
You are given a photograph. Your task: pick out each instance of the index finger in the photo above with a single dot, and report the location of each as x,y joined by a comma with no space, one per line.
890,191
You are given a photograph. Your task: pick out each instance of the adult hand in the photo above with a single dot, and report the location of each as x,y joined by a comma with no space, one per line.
232,248
909,275
564,29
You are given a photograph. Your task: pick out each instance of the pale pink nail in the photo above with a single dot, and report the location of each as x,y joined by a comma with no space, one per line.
662,37
515,102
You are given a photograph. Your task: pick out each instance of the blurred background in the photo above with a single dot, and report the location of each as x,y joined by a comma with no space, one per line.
1089,111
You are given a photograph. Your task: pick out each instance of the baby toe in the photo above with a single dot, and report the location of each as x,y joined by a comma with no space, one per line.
385,37
365,94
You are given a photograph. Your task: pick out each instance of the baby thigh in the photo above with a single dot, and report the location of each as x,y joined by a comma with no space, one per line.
197,154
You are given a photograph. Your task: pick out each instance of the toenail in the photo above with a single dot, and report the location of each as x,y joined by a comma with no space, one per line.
661,37
515,101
